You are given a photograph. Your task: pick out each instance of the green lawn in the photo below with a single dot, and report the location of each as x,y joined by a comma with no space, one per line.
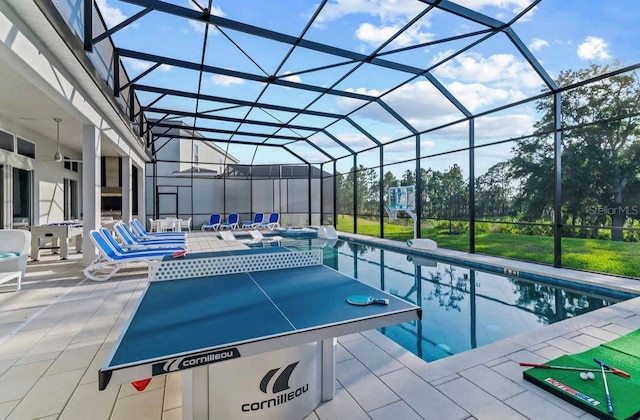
621,258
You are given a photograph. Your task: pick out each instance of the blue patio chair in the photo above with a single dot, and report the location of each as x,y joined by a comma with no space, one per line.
129,240
110,260
257,219
120,250
142,233
214,223
232,222
272,223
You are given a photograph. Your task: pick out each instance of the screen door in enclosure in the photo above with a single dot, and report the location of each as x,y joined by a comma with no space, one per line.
167,204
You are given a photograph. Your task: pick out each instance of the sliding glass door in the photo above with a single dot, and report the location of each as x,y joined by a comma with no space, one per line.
22,198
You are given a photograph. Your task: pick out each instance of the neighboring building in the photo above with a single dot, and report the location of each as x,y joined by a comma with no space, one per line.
185,168
177,158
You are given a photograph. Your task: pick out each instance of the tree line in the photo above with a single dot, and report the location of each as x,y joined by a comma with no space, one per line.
600,157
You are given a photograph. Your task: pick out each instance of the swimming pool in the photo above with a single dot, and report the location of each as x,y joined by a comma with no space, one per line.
463,308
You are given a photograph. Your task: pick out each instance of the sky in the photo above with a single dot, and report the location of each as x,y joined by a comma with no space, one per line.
560,34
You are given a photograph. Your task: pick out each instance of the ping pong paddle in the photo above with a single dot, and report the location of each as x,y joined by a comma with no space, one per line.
362,300
179,254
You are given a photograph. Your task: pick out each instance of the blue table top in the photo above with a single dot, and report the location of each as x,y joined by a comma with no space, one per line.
180,316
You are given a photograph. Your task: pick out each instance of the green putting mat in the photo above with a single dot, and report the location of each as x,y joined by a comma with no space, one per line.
590,394
628,344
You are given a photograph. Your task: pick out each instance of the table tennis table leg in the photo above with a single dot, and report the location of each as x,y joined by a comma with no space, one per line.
78,243
328,369
64,248
195,393
35,248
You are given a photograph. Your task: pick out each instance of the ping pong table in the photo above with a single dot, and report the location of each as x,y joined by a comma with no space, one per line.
256,342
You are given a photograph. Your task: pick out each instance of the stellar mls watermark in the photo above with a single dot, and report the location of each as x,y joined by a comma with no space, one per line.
613,210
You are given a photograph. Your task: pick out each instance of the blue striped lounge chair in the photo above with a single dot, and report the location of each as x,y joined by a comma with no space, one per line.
112,257
129,240
139,230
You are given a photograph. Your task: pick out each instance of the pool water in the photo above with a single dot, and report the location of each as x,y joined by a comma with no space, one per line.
462,308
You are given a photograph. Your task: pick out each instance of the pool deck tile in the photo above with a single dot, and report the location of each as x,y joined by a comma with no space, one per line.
423,397
477,401
57,332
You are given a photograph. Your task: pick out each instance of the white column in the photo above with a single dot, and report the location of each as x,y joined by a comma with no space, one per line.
90,188
7,187
142,196
127,204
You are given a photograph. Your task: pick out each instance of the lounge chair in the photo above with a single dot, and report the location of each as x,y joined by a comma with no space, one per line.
227,236
257,236
142,233
110,261
232,222
252,224
330,232
214,223
272,223
120,250
129,241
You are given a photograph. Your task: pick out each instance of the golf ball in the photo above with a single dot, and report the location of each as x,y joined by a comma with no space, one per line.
590,375
584,376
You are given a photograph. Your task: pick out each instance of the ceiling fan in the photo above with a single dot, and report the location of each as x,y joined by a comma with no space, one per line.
57,156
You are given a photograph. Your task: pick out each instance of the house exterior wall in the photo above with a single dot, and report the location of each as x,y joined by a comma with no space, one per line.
47,178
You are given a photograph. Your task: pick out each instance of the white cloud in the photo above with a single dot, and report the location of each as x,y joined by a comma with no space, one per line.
515,6
354,140
295,78
392,10
420,103
504,126
501,70
386,10
593,48
423,106
477,95
214,9
199,26
222,80
376,35
112,15
537,44
408,148
141,65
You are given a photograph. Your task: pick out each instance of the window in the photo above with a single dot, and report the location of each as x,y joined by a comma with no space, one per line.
71,166
22,198
26,148
70,199
6,141
196,153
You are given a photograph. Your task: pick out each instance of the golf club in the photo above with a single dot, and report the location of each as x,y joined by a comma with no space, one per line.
607,368
606,387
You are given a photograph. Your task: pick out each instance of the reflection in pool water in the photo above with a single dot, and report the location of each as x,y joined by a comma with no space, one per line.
462,308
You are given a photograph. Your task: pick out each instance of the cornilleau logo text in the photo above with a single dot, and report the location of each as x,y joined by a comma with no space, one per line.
280,385
189,362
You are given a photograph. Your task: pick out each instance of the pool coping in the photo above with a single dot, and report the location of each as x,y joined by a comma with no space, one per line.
627,287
